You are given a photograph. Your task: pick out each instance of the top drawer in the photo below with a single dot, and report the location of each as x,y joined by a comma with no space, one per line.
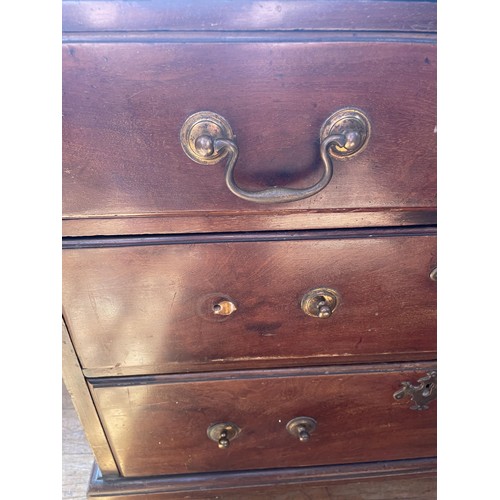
125,171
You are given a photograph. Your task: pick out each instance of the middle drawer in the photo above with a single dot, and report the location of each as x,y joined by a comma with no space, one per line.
143,306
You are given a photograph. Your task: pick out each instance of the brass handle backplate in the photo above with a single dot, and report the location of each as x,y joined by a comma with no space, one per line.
320,302
207,137
301,428
421,394
223,433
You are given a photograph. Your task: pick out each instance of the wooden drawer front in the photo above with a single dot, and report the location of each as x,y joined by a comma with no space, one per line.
149,309
159,425
124,169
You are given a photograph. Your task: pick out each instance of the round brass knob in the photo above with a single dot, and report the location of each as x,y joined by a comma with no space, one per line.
320,302
301,427
223,440
302,433
204,146
198,134
351,123
223,433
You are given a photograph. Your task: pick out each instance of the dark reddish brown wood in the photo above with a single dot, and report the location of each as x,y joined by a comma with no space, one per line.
80,396
124,105
223,15
214,222
161,427
398,480
148,309
132,73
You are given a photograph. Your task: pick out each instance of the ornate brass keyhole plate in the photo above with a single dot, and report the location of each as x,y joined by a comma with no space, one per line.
421,394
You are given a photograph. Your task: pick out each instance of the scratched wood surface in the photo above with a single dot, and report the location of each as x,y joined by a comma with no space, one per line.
124,105
221,15
376,481
132,72
158,425
149,309
77,463
419,488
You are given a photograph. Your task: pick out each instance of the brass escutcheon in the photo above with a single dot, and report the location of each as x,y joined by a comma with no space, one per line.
301,427
422,394
197,136
223,433
351,123
320,302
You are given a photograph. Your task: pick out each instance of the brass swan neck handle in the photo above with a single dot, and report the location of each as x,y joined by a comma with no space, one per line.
278,194
207,138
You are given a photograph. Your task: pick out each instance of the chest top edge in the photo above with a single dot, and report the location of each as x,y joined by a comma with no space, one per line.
248,15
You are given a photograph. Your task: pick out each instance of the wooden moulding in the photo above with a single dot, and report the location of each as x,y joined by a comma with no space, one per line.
208,223
74,243
388,480
248,15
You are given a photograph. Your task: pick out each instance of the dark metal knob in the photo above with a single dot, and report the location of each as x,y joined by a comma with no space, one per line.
324,309
320,302
223,433
301,427
223,440
302,433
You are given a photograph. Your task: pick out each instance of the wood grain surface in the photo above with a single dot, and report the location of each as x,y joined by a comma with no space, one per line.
77,461
149,309
77,457
223,15
143,340
124,105
158,425
398,480
420,488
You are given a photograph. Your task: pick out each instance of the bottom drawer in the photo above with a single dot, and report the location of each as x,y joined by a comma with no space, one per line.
160,424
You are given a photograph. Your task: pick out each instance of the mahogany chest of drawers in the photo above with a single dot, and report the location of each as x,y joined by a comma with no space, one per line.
249,246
